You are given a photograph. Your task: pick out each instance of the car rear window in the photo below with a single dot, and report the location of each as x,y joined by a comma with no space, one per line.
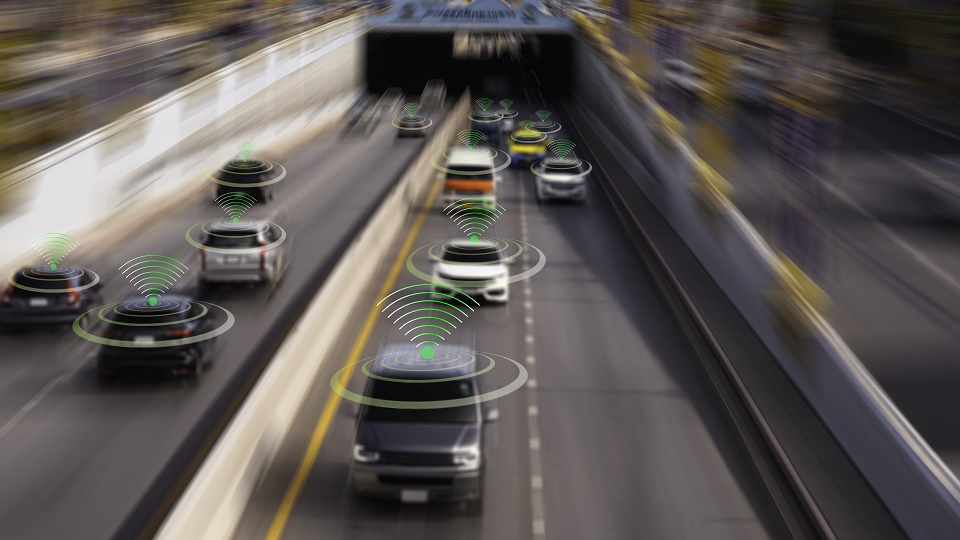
482,172
456,255
233,241
429,391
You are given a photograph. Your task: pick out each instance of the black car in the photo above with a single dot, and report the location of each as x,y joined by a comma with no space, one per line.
174,319
44,296
412,126
420,455
251,177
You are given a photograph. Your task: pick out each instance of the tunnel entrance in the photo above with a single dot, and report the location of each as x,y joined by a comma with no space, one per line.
493,63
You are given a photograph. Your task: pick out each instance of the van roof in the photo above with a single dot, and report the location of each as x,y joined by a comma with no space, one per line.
466,156
403,361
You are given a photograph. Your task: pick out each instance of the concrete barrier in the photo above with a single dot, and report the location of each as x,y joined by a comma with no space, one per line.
150,156
212,504
780,303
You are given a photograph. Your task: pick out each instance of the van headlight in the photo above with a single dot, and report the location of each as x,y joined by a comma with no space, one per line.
363,455
467,457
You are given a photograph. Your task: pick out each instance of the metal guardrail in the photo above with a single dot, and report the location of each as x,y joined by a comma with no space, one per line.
772,293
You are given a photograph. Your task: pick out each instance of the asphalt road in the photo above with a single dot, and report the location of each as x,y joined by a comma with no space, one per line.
74,457
616,434
891,266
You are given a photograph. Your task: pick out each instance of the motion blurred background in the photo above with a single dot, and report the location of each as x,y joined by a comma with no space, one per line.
833,126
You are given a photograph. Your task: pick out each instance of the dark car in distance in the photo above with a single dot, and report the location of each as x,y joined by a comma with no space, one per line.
175,319
250,177
37,296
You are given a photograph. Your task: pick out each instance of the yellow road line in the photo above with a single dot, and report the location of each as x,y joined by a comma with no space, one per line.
326,417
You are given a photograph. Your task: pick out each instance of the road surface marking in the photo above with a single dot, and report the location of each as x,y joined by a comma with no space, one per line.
282,515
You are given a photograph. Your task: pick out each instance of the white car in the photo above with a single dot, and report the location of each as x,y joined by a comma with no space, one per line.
243,252
473,267
561,179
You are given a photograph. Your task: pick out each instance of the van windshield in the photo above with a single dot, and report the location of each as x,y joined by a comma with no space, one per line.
420,392
470,172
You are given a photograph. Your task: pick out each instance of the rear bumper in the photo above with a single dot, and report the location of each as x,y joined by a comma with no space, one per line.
577,192
23,317
390,482
236,275
169,360
449,197
498,291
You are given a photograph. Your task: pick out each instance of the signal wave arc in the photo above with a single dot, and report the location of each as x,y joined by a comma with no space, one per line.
54,247
434,313
153,275
561,147
473,216
235,203
470,137
245,150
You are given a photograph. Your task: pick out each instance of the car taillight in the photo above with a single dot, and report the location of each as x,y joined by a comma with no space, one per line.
178,332
73,297
7,293
113,334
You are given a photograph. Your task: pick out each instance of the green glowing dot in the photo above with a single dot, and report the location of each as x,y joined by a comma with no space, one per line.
426,352
236,219
152,301
473,238
53,266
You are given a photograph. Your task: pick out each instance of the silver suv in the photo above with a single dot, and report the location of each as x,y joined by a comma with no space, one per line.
243,252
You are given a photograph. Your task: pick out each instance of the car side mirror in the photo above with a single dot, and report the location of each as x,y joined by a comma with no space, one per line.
491,415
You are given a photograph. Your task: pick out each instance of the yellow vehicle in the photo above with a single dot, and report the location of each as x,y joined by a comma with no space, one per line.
526,146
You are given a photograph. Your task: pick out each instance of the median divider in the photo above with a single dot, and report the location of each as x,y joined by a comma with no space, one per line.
781,304
215,498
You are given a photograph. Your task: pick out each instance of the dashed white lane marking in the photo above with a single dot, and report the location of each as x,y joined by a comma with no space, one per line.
537,512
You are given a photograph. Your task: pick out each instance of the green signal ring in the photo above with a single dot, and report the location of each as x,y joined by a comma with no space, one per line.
106,320
548,176
443,247
95,281
77,328
513,386
151,315
203,228
429,278
471,361
496,168
439,359
368,373
497,116
283,173
429,123
234,251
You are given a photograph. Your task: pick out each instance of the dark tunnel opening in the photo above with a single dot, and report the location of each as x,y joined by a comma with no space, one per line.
409,60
